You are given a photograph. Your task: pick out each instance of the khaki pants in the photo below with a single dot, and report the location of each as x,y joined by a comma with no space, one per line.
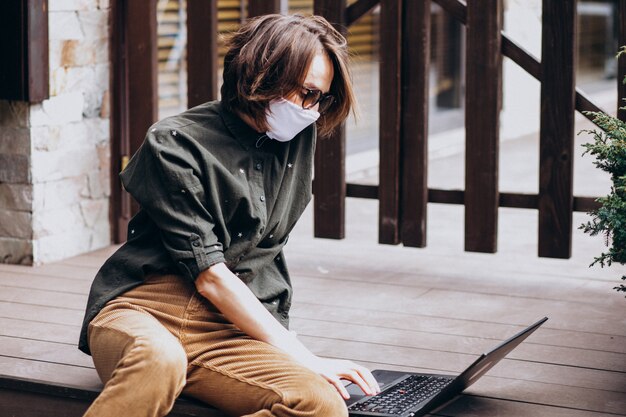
163,338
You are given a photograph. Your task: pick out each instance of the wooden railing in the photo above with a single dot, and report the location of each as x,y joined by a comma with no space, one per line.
402,192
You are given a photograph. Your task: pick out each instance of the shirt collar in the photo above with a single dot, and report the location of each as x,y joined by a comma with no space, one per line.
242,132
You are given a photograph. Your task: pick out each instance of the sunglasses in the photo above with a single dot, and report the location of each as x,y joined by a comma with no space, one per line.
313,97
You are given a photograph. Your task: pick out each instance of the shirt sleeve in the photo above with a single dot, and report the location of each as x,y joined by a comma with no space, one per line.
165,177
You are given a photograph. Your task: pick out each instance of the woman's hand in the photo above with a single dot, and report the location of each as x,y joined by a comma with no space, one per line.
334,370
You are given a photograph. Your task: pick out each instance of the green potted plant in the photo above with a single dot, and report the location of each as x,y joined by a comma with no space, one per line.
609,149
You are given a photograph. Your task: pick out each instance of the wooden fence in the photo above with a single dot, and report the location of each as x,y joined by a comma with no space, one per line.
402,192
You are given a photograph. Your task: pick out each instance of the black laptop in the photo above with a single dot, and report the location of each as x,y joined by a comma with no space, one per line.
412,394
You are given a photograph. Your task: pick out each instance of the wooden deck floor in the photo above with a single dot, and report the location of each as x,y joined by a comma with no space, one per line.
432,310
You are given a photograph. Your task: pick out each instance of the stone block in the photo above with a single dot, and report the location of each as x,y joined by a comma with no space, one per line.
45,138
16,197
16,224
58,221
99,184
94,23
15,169
64,26
14,113
105,110
54,195
14,140
94,211
66,163
16,251
64,108
61,246
76,53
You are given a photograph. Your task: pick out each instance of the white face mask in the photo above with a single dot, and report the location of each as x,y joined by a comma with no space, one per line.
287,119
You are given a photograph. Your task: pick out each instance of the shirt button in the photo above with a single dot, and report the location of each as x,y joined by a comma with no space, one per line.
196,243
261,231
262,198
258,166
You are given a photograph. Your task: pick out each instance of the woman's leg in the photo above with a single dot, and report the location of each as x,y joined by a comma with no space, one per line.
246,377
141,363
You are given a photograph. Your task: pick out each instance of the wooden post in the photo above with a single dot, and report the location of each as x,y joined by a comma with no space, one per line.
329,187
201,51
621,63
261,7
24,45
557,128
414,115
483,100
134,103
389,137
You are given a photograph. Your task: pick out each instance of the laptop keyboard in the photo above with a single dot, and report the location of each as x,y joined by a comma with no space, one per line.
403,396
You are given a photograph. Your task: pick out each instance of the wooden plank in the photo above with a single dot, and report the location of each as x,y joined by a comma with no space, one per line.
452,363
37,50
261,7
487,407
621,63
135,94
201,51
358,9
390,107
44,351
490,308
329,186
483,101
470,278
528,351
43,314
549,336
25,281
414,121
45,298
556,170
61,270
51,331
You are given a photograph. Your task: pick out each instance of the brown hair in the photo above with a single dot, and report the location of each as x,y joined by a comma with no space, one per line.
269,57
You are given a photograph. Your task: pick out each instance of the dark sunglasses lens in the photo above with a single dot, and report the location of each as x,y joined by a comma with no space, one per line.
311,98
325,104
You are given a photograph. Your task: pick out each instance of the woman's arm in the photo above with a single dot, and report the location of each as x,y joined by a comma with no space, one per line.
239,305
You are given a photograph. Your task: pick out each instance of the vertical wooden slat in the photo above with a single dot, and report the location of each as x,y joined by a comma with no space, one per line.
483,100
201,51
557,128
134,55
414,116
38,47
389,137
261,7
621,64
329,187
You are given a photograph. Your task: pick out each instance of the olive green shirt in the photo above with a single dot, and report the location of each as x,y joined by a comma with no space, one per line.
211,190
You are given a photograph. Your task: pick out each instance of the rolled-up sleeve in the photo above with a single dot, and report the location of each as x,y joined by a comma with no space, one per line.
165,176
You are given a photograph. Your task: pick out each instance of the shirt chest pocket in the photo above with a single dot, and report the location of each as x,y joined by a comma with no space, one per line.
184,188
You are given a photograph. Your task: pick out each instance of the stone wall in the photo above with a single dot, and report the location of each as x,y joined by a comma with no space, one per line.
54,156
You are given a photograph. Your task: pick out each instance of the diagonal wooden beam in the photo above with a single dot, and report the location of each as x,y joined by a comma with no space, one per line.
519,55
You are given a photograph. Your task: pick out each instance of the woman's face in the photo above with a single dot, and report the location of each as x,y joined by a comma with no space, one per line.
319,77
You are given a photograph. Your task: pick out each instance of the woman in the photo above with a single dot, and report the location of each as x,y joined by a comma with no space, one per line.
197,300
